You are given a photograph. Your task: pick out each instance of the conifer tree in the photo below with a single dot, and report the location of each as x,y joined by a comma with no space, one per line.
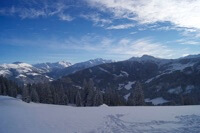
98,98
138,95
34,95
49,96
25,95
90,95
78,99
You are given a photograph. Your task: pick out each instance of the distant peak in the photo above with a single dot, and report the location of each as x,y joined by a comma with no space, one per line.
97,59
17,62
147,57
22,64
191,56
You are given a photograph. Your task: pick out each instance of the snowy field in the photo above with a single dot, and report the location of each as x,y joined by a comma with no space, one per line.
19,117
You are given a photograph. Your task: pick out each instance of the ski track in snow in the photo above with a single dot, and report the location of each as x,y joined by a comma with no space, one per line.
19,117
185,124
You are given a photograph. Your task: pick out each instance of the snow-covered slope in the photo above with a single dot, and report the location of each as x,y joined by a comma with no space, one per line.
23,73
19,117
52,66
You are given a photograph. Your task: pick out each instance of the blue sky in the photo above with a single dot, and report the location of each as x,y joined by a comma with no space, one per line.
36,31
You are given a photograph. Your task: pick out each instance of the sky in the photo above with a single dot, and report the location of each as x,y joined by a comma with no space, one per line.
36,31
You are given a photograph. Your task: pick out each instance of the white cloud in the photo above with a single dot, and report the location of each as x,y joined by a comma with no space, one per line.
65,17
96,18
36,9
120,47
141,47
105,46
121,26
181,13
188,42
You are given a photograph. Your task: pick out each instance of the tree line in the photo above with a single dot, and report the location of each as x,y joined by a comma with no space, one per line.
62,94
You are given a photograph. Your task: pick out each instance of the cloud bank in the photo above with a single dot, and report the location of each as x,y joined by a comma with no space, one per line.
180,13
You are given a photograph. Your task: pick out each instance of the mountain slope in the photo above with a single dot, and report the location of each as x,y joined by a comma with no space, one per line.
23,73
48,67
77,67
176,81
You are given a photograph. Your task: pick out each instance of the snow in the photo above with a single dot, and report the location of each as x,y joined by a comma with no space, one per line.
179,66
103,106
189,88
125,73
104,70
64,63
177,90
79,87
20,75
4,72
151,79
122,74
120,86
33,74
129,85
156,101
21,68
19,117
18,65
127,96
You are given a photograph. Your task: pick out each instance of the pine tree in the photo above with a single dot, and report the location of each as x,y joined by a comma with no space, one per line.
90,96
56,98
138,95
34,95
78,99
48,96
63,97
4,92
98,98
25,95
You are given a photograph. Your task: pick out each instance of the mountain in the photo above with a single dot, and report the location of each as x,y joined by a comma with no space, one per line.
77,67
148,58
48,67
174,81
23,73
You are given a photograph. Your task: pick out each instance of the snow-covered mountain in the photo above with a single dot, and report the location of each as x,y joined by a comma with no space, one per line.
48,67
77,67
23,73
